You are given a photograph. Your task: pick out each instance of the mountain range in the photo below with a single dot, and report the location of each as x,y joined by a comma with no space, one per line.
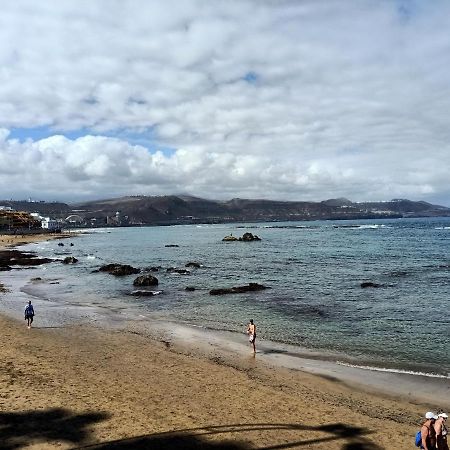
183,209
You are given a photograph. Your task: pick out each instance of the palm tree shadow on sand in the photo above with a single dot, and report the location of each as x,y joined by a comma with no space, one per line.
19,429
196,438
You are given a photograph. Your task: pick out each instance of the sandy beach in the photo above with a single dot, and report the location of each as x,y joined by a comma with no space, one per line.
139,386
82,386
14,240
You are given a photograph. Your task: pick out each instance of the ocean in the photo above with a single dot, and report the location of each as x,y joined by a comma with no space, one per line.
314,272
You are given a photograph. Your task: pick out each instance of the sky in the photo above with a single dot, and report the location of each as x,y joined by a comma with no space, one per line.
286,100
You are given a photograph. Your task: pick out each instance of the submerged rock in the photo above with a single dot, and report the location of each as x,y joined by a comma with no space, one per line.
367,284
193,264
238,289
189,288
179,271
119,270
171,245
143,293
146,280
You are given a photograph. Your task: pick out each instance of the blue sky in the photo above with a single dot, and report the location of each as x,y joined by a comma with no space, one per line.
289,100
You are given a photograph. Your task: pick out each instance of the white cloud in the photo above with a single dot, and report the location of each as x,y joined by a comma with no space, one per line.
288,100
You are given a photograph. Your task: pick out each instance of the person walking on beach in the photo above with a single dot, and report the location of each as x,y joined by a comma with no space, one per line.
29,314
427,431
441,431
251,331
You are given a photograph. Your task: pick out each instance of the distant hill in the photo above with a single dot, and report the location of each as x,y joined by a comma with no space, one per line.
143,210
184,209
44,208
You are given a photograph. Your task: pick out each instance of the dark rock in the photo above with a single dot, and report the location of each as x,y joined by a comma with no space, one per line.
367,284
119,270
2,288
171,245
17,258
36,279
5,268
238,289
179,271
146,280
70,260
71,244
248,237
190,288
193,264
60,244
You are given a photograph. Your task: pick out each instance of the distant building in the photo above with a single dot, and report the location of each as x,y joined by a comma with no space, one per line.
51,224
18,220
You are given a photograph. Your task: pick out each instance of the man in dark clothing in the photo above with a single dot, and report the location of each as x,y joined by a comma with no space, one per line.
29,314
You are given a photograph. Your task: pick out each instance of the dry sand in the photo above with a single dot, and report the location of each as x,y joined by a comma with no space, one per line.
79,386
11,240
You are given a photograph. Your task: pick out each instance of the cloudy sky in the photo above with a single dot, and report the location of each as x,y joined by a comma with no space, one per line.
277,99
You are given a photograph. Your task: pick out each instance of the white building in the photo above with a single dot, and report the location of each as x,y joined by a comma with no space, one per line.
50,224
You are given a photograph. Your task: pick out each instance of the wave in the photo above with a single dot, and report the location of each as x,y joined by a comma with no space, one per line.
362,227
400,371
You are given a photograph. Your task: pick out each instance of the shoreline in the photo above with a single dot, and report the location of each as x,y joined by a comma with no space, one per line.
135,388
414,387
16,240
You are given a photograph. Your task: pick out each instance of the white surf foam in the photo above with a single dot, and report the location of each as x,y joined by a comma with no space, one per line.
384,369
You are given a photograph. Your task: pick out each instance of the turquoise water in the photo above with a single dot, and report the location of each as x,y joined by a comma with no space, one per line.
314,271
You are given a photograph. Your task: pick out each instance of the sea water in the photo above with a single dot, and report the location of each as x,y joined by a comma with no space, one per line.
314,272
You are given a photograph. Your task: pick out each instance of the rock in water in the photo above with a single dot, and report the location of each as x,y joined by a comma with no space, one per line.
367,284
70,260
238,289
119,270
146,280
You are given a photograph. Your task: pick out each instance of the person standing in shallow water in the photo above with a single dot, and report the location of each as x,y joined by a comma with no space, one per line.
29,314
251,331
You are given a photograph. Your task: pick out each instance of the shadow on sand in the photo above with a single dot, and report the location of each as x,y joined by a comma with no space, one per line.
353,438
18,429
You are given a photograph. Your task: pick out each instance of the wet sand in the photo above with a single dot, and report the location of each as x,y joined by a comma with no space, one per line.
77,386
